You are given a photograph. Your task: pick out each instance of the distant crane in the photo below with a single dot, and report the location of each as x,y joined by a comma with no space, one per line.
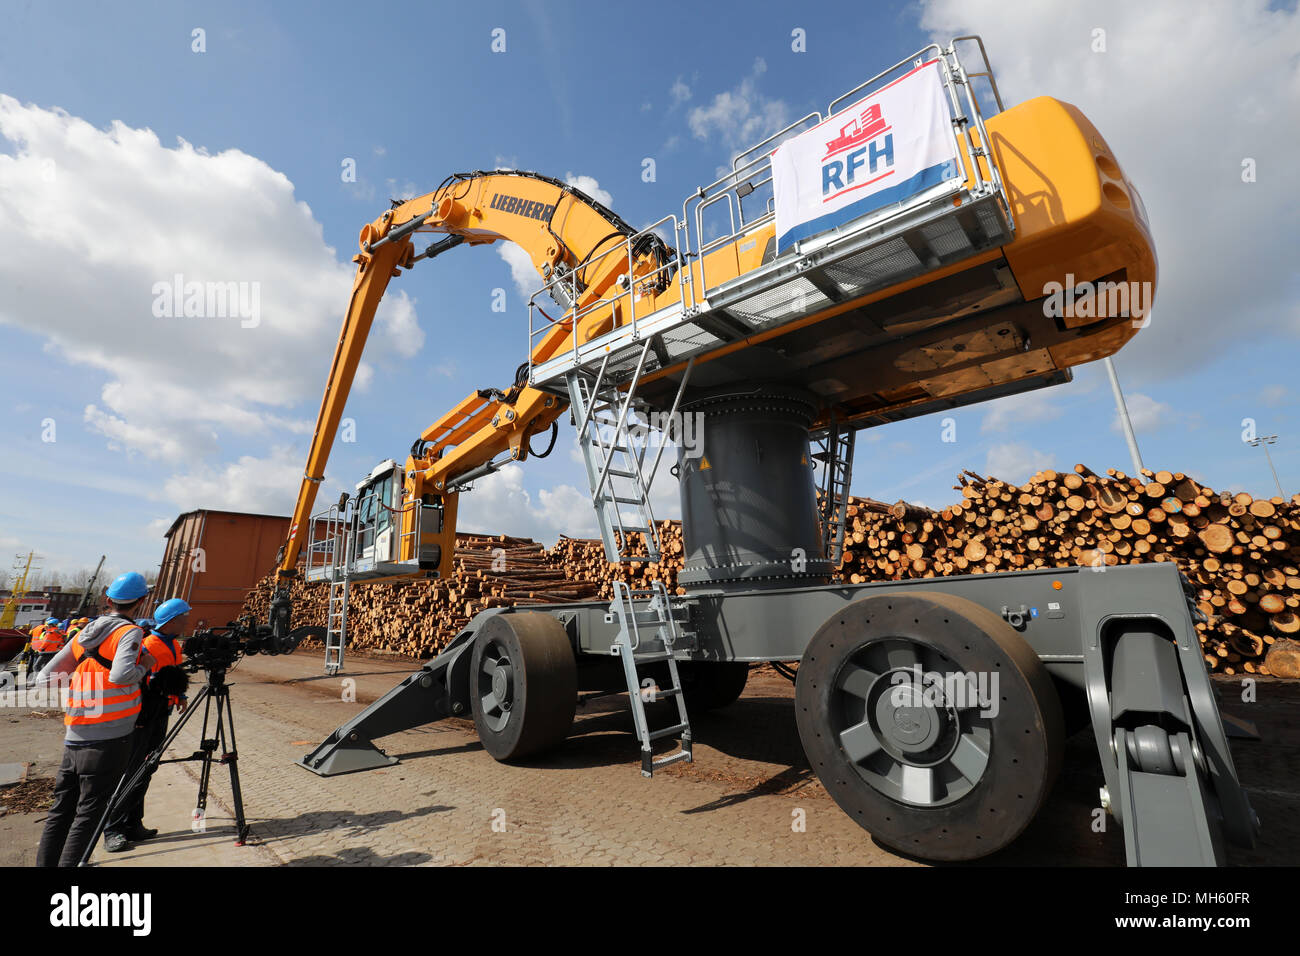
10,613
85,595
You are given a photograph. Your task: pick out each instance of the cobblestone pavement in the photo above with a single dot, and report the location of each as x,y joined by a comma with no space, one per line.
449,803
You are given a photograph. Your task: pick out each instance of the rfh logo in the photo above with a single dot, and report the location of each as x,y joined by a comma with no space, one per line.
858,147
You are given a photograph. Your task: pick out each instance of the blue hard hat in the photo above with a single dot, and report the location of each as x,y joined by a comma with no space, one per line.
51,620
127,588
167,610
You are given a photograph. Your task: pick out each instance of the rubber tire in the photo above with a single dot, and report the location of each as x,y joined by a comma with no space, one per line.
1027,734
710,685
546,684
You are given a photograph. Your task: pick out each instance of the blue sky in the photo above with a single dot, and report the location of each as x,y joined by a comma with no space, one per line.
155,416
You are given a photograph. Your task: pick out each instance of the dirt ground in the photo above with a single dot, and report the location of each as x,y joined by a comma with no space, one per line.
449,803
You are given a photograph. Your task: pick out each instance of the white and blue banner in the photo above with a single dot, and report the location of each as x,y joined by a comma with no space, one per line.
882,150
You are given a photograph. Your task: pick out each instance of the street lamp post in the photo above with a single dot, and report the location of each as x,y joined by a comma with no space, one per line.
1125,421
1263,441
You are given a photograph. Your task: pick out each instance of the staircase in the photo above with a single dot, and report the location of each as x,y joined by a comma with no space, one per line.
833,451
336,621
650,624
614,446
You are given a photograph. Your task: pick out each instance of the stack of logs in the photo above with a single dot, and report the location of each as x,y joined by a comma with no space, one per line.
1240,553
419,618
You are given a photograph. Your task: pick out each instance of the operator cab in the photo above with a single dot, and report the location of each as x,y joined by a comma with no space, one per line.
376,505
363,535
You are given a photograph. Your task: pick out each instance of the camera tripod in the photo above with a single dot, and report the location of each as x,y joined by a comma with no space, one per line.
217,690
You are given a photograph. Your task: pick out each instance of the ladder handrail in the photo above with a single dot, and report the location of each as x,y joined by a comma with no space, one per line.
672,416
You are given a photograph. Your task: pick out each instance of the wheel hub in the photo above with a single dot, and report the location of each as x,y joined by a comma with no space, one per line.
914,720
503,685
906,735
930,721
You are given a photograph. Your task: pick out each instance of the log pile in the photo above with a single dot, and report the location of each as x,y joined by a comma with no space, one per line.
585,558
1240,553
419,618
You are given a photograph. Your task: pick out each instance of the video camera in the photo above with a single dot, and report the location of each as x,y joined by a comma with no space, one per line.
217,648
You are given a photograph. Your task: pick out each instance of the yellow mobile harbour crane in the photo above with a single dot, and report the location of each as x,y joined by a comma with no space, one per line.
783,331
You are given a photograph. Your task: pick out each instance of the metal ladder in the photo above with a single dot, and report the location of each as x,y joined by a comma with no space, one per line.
834,450
655,621
615,461
336,621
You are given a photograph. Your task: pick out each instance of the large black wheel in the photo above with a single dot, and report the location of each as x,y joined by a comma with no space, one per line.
931,722
524,684
709,685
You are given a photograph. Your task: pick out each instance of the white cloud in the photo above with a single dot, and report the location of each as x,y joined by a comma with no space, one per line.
1027,408
171,385
155,443
1145,412
741,116
266,485
1014,462
525,275
590,186
500,504
401,326
1172,71
679,92
408,189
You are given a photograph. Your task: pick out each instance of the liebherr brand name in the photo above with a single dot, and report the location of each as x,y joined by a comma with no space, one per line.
522,207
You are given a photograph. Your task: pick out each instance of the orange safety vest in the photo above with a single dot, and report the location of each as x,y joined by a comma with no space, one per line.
48,641
92,698
164,655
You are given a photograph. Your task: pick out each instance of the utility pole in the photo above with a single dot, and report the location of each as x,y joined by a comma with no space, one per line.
1263,442
1125,421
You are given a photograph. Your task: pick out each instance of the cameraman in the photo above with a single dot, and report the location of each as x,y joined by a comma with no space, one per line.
107,662
164,690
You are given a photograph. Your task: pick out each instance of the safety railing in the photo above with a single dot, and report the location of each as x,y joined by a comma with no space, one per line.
723,213
325,543
751,168
340,539
409,535
566,290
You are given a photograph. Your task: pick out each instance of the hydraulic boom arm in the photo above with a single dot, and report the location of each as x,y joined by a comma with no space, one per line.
568,236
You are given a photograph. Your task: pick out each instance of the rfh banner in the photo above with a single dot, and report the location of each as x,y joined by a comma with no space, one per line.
881,151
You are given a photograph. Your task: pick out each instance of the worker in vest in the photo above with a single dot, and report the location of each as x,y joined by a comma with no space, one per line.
164,690
107,662
47,644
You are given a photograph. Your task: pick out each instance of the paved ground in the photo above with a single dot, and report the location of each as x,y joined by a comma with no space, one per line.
449,803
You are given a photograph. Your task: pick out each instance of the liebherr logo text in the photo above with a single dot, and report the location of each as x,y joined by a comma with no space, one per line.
77,909
522,207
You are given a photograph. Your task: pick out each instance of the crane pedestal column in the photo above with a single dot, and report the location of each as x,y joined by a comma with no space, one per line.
749,504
